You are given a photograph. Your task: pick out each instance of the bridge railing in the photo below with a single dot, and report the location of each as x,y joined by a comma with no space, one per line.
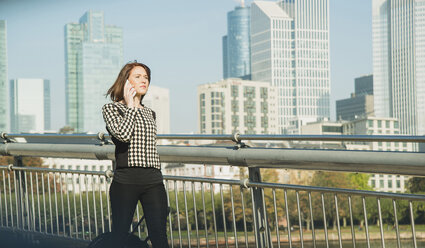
216,212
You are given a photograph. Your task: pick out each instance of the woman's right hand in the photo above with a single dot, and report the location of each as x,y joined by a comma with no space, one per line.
129,93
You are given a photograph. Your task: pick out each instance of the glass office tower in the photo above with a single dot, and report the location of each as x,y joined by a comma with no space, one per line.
290,49
4,103
236,45
398,62
93,58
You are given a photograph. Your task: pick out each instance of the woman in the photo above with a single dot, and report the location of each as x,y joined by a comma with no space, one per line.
137,176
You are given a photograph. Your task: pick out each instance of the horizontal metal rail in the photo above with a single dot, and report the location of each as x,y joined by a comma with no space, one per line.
404,163
236,137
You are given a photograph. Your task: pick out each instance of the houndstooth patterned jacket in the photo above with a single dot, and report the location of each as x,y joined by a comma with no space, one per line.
136,128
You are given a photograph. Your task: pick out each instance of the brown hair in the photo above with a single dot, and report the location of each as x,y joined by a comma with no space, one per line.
116,92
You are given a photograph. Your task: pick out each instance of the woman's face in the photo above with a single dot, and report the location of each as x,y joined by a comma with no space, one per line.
139,80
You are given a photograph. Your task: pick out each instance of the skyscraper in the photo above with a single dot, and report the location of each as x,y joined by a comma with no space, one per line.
236,105
236,45
290,49
4,110
29,105
398,33
93,58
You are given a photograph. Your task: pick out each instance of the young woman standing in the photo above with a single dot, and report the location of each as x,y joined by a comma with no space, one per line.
137,176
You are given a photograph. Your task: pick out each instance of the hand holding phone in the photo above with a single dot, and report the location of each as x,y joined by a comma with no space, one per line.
129,94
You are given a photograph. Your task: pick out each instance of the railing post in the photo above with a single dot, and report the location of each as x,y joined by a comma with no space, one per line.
20,192
259,216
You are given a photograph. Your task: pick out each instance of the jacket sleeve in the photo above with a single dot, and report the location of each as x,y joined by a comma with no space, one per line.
121,127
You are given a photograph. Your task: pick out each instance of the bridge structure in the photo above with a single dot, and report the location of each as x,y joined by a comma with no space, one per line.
209,212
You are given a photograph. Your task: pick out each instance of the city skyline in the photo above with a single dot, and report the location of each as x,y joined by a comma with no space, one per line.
178,63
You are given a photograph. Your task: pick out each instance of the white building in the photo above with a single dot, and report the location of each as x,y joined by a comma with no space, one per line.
29,105
398,33
379,126
290,49
324,127
158,99
367,126
236,105
200,170
80,182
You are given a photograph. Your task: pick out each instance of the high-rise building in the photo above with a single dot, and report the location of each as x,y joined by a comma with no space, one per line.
29,105
236,44
363,85
158,99
236,105
361,103
93,58
290,49
398,33
4,109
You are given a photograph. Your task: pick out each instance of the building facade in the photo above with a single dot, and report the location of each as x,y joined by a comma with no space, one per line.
29,105
236,105
236,44
361,103
93,58
354,107
398,33
158,99
4,89
200,170
80,183
363,85
290,49
379,126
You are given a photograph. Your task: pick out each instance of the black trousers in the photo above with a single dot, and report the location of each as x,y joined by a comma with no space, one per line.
124,199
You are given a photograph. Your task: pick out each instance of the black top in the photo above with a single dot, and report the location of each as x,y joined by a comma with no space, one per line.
133,132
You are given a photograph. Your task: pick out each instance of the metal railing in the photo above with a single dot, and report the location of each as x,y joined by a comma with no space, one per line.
241,213
41,200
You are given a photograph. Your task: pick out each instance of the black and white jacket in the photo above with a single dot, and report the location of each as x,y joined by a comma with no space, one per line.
133,132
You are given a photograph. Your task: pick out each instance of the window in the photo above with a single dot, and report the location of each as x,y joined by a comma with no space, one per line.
372,182
235,91
390,184
370,123
381,183
331,129
396,124
387,124
398,184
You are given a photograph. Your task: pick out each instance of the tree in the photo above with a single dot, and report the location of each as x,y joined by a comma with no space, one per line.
332,180
66,130
416,184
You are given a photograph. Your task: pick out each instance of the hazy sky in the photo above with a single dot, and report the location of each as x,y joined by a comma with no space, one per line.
179,40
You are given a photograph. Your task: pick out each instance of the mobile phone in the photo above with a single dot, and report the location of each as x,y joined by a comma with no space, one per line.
134,93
